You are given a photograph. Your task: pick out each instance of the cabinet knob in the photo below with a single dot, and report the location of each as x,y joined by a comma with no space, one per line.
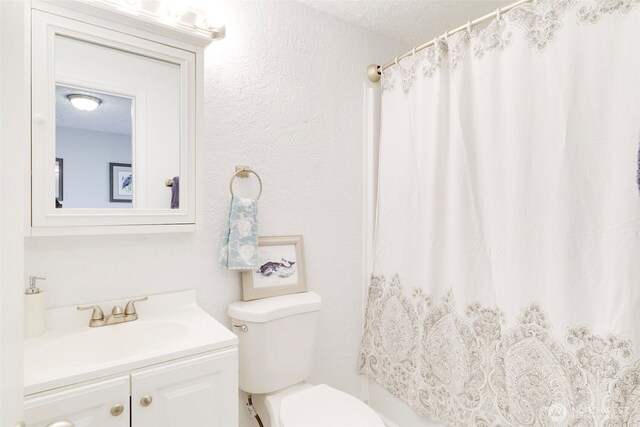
146,400
39,119
116,410
61,424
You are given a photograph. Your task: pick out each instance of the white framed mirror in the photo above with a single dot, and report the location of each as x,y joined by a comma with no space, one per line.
113,134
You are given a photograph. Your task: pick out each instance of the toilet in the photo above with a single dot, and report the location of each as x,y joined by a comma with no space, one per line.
276,350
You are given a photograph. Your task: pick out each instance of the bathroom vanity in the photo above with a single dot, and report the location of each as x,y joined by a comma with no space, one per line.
173,366
116,126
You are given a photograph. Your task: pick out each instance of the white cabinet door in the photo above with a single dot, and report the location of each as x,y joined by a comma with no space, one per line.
197,392
83,406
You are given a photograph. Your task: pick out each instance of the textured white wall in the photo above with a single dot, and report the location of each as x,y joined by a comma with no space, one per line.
284,94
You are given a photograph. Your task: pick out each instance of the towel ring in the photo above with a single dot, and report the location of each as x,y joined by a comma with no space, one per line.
244,170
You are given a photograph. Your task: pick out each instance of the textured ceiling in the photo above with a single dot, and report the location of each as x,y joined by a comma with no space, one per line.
411,21
113,115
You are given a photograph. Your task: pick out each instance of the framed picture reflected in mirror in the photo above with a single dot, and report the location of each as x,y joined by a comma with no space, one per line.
120,182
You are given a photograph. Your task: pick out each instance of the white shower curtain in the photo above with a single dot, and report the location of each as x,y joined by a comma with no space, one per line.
506,277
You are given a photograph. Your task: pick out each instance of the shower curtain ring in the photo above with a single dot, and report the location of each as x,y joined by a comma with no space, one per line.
396,60
468,26
414,51
498,11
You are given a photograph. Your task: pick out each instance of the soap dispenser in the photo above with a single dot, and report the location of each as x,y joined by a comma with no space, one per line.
34,309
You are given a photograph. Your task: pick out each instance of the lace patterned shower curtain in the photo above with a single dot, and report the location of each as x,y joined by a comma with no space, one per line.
506,278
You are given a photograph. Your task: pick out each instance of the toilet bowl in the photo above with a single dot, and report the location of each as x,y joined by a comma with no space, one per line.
322,405
276,344
306,405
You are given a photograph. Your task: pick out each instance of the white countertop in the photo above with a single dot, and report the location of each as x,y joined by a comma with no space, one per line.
170,326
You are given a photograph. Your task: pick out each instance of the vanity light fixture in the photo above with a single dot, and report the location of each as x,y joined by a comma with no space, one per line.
174,13
175,9
84,102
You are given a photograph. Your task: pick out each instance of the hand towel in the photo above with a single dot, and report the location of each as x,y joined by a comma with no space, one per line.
239,248
175,193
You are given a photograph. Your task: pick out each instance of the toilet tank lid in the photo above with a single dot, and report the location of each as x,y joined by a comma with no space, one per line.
267,309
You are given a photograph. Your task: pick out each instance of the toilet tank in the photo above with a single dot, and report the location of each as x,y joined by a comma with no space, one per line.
277,347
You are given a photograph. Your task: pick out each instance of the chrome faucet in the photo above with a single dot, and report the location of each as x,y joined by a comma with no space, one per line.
118,315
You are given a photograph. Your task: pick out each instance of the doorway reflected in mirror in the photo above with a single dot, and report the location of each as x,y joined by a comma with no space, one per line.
93,132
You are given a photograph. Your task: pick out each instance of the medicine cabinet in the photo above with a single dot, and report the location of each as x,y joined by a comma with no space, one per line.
116,122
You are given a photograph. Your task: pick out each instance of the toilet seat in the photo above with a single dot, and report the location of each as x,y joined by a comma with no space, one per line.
323,406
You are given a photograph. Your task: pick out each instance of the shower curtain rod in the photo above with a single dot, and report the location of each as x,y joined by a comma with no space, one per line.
375,71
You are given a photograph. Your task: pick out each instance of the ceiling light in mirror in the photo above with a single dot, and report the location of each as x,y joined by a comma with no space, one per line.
84,102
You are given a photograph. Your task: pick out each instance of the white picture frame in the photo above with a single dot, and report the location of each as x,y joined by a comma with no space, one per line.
280,268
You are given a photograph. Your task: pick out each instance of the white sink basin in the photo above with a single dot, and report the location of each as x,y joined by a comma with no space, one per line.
98,345
169,326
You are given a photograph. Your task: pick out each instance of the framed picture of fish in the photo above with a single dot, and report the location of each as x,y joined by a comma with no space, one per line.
120,183
279,271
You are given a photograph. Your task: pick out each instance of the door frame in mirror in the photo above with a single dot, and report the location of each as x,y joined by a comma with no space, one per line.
139,122
46,220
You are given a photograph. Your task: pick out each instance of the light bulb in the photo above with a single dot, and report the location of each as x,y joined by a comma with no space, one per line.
175,9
